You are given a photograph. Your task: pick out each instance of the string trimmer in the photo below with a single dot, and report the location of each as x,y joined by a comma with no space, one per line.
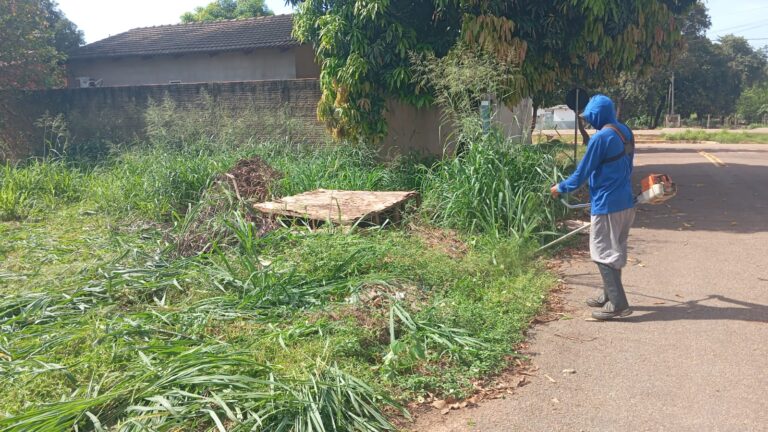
654,189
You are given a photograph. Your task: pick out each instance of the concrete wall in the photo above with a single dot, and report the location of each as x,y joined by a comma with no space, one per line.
516,122
412,129
424,131
258,64
116,114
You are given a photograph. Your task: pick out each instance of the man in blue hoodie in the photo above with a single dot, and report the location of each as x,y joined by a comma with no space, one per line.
608,167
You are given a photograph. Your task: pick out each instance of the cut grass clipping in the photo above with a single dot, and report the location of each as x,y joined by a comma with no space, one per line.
105,325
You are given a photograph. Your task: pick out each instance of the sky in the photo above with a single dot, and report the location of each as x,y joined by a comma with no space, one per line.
102,18
748,18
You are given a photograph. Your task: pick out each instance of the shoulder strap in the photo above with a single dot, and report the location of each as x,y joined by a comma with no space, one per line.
629,146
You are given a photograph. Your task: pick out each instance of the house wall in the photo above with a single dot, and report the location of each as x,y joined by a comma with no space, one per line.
258,64
306,65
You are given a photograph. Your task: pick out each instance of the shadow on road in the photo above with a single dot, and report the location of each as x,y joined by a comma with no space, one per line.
676,310
695,310
731,199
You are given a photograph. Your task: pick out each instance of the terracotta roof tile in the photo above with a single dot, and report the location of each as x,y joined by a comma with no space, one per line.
262,32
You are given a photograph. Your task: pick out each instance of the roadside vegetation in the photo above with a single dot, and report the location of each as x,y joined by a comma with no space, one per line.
111,320
723,136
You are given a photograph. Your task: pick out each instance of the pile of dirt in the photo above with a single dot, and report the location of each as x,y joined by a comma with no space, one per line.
248,182
250,179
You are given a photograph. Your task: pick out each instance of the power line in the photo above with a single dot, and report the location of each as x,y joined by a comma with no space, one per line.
736,12
743,27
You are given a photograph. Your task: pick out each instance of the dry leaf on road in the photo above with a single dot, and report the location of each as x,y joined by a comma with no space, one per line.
439,404
550,378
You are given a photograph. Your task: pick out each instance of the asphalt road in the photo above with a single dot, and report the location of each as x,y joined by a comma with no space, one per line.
694,355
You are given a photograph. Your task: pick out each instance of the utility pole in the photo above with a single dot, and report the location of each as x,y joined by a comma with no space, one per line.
672,105
576,126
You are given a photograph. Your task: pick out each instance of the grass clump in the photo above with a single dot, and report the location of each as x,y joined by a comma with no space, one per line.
495,187
723,136
34,188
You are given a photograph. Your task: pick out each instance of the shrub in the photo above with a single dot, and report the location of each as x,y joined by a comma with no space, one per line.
752,106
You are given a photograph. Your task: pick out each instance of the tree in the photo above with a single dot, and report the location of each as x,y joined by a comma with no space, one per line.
705,79
364,47
705,82
34,39
227,9
753,104
748,62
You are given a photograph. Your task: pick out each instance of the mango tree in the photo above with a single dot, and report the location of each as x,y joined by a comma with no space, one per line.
364,46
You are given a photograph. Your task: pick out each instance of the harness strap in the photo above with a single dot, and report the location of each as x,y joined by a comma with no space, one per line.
629,146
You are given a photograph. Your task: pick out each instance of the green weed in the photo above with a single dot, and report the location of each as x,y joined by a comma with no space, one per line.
723,136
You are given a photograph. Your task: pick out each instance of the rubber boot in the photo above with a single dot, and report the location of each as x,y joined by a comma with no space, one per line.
598,301
602,299
617,305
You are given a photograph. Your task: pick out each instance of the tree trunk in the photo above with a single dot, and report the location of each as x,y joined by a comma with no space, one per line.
536,104
583,130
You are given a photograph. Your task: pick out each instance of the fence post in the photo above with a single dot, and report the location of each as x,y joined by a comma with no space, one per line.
485,114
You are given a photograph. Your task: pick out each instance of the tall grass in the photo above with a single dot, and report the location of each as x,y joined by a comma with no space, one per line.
210,121
344,166
494,186
38,186
156,181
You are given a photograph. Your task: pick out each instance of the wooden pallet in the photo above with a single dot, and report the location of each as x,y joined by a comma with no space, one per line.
341,207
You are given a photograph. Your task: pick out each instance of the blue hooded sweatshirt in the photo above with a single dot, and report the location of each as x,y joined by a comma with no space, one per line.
610,186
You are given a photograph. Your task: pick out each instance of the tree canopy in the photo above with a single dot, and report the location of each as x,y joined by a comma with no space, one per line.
34,39
705,82
364,47
227,9
748,63
709,76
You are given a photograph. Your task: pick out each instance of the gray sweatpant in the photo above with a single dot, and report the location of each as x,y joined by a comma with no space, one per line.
608,237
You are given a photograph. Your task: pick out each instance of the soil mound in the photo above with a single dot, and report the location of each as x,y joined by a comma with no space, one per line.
250,179
205,224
